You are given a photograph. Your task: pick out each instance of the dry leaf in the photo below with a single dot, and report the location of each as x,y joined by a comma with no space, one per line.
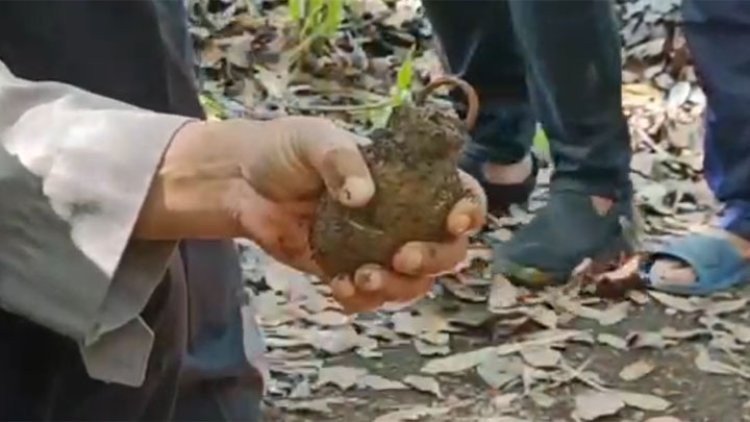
674,302
317,406
428,349
542,400
648,339
462,291
542,315
406,323
280,277
541,356
369,353
614,314
705,363
302,390
503,294
459,362
498,372
593,405
679,94
610,316
338,340
274,82
503,401
434,337
644,401
296,367
637,370
424,384
672,333
725,342
740,332
540,338
612,341
328,319
376,382
726,306
412,414
343,377
469,316
638,296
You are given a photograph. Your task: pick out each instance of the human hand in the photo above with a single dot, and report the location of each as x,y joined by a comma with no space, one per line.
262,180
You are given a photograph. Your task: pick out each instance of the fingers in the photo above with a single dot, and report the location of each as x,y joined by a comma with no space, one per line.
470,213
351,299
334,154
429,258
373,286
401,288
346,176
467,217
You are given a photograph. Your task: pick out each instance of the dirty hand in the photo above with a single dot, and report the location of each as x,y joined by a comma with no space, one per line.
263,180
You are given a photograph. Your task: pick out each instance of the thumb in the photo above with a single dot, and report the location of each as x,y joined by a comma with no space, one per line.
334,154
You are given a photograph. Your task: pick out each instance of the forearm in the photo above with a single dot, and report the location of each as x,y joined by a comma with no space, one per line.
194,190
75,169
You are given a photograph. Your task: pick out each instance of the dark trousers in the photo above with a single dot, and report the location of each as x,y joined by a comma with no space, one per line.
718,34
556,61
43,377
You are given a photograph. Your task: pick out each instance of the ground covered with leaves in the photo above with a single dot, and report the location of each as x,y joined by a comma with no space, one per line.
479,348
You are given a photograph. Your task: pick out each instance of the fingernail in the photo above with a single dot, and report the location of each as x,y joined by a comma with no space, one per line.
369,280
461,224
356,191
412,262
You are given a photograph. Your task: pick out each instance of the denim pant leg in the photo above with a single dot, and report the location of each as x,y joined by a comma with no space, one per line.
572,50
217,381
718,33
478,40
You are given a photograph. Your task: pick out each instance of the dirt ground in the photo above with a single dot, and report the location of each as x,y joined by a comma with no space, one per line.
695,395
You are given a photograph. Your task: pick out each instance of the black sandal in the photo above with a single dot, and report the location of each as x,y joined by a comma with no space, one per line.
562,234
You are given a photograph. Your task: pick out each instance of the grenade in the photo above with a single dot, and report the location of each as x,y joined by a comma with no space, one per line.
413,162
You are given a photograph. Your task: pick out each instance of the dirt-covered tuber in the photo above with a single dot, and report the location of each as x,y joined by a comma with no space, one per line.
413,162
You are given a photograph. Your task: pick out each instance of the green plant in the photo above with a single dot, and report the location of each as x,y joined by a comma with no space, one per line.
541,143
404,77
401,92
316,21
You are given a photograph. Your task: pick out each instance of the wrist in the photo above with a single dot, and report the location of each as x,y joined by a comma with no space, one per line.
195,189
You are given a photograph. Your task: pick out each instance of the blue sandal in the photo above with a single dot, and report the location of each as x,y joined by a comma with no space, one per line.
714,259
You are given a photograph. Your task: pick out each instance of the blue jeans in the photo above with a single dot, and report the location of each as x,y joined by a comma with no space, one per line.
718,34
557,61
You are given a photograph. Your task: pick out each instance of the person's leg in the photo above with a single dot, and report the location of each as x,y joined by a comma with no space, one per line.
572,51
221,378
718,33
479,46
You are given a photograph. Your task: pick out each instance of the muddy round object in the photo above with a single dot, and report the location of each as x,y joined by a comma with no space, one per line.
413,162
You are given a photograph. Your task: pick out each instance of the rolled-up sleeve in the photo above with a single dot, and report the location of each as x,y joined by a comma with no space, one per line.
75,169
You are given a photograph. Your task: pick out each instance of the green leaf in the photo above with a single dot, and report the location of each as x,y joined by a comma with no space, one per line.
315,7
212,107
404,79
297,9
334,16
541,143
